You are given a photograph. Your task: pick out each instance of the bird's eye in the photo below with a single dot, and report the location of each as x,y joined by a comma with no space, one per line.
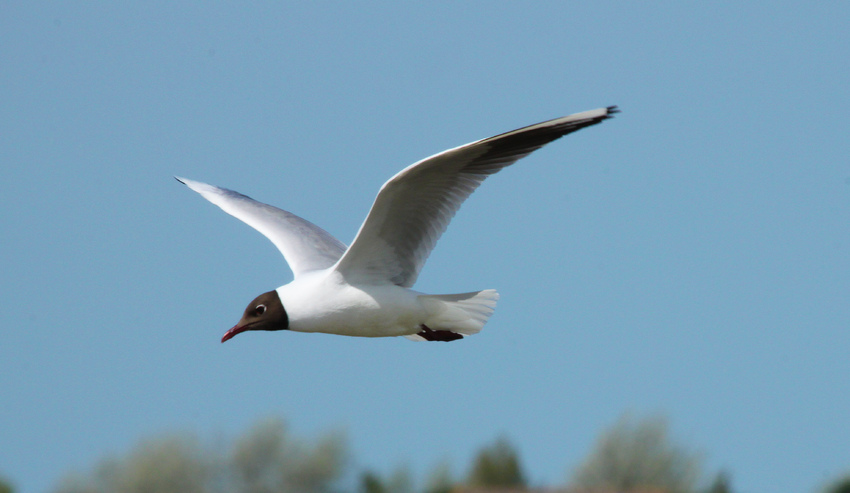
260,309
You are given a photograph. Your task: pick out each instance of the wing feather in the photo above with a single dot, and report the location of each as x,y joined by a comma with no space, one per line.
414,208
305,246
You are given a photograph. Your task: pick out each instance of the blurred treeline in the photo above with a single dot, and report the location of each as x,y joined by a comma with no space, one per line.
637,456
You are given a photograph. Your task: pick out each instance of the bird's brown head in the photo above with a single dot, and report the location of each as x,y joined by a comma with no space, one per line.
266,312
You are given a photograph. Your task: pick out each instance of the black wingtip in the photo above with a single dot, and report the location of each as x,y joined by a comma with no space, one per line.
613,110
178,179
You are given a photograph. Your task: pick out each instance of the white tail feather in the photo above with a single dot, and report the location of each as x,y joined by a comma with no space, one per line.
464,313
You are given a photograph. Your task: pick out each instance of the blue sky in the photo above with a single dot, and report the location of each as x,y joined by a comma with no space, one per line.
689,257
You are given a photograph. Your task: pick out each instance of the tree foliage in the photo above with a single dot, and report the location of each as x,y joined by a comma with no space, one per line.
497,465
722,484
169,463
839,486
5,486
639,455
494,466
441,479
400,481
265,460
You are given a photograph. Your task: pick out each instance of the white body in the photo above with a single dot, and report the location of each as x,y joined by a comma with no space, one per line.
322,301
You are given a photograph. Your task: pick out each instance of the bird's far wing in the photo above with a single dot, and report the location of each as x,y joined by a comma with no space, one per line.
415,206
304,245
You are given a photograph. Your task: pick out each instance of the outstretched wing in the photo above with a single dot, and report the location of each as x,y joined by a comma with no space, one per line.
413,209
304,245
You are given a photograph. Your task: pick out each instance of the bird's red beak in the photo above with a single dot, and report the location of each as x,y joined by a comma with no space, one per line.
232,332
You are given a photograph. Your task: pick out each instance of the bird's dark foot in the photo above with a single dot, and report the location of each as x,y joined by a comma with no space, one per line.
438,335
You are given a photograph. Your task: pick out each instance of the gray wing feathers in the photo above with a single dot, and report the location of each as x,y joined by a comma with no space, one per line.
304,245
414,208
412,212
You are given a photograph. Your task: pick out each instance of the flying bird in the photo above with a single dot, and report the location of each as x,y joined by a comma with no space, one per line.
365,289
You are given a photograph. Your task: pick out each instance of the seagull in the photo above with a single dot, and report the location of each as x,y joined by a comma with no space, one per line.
365,289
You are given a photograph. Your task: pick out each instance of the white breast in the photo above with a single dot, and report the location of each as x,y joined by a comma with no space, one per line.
323,302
